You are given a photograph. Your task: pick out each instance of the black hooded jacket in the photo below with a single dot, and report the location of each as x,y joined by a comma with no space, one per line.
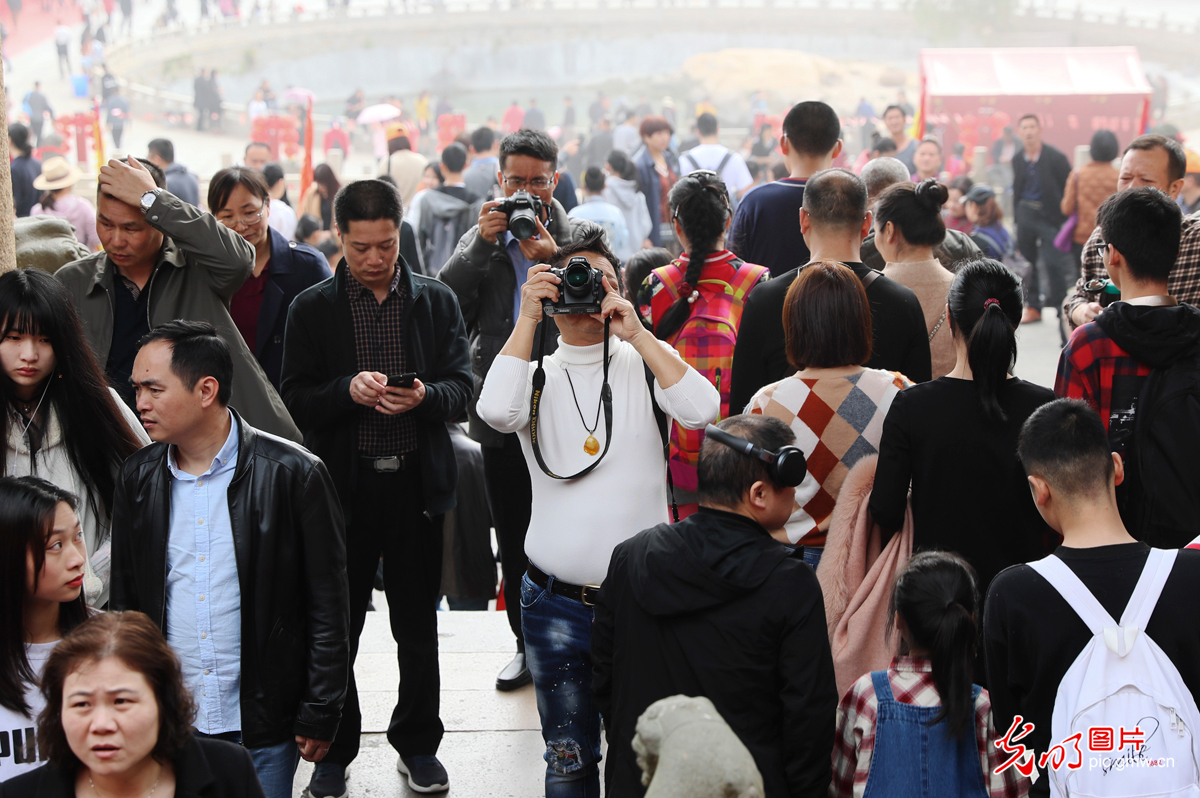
1154,335
713,606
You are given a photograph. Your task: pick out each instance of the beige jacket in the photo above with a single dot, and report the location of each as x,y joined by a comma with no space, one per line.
930,281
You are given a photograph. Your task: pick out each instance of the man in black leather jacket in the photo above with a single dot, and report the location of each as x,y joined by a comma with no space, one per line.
232,541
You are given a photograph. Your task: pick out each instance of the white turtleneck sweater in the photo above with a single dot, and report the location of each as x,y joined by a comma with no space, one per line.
576,523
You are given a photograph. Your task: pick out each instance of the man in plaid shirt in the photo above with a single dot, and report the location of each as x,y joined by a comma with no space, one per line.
1107,360
1156,161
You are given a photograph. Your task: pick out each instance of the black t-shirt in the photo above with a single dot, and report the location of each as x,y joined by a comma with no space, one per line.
1031,636
969,491
900,341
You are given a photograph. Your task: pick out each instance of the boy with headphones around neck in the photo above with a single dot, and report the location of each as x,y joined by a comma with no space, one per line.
714,606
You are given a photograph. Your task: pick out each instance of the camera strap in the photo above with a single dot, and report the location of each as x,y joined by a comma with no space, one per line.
535,400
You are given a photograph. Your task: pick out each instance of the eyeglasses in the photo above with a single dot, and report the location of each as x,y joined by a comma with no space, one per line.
520,184
244,221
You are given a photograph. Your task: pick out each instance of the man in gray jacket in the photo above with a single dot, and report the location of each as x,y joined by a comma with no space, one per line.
164,259
487,272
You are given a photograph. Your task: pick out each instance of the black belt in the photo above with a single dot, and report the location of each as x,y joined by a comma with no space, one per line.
1036,205
389,464
584,594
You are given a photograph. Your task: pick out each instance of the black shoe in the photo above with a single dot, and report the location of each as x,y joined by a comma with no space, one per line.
425,773
328,781
514,675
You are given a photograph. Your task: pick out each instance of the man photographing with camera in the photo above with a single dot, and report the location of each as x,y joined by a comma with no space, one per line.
596,413
487,271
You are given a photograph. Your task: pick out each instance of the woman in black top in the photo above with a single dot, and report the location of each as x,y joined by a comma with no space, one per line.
955,438
118,721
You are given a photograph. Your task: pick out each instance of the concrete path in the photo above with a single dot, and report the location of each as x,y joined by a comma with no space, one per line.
493,746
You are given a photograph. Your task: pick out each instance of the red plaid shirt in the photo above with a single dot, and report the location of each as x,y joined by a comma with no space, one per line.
1093,368
912,683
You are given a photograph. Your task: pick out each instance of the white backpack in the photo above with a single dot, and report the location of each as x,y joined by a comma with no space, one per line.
1123,679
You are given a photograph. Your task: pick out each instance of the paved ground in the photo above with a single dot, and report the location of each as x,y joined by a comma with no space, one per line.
492,747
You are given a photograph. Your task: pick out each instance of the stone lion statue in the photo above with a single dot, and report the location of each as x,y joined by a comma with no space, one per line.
686,750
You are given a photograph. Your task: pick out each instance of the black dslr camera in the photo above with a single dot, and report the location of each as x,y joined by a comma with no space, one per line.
523,210
581,289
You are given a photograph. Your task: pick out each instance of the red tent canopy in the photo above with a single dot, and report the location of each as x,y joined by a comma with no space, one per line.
969,95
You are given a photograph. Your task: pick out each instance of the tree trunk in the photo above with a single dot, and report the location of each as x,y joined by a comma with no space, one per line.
8,243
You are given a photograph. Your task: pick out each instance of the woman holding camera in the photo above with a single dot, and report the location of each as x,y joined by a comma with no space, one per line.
118,722
695,304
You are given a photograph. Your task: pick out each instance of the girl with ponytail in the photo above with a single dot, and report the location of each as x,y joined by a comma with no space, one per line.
954,440
922,727
695,304
908,225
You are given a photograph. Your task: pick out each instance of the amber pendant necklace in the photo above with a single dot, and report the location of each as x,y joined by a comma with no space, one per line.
591,445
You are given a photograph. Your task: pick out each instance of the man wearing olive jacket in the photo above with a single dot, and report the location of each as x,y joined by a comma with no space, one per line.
164,259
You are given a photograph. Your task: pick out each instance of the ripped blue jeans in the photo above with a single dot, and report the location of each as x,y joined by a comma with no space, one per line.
558,651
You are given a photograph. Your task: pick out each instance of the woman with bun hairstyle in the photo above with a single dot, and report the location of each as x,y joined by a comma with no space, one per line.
695,304
923,727
955,439
42,560
908,225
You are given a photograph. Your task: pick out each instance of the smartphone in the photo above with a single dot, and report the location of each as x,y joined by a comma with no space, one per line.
401,380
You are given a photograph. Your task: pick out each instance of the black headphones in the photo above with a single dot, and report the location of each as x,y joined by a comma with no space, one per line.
786,467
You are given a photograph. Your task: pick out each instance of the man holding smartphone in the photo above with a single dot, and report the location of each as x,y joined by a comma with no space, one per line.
374,364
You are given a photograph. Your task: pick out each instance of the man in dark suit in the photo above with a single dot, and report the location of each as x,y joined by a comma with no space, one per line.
1040,175
349,341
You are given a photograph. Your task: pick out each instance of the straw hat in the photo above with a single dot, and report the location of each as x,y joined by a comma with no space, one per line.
57,173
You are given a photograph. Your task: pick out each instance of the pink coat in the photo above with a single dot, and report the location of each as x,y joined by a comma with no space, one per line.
856,579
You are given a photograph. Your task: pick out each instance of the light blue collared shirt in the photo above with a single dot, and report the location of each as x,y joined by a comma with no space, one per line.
520,265
204,599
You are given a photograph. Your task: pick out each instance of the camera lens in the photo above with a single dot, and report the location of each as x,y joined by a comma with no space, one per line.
578,280
522,223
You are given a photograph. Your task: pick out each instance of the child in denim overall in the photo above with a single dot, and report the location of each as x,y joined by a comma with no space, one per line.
921,729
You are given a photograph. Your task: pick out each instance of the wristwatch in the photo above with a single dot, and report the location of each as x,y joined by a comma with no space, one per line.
148,199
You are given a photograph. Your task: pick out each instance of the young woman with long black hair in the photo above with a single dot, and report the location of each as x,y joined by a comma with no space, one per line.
695,304
42,561
955,438
62,422
922,727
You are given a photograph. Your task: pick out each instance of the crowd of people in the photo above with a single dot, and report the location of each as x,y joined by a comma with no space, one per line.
760,443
